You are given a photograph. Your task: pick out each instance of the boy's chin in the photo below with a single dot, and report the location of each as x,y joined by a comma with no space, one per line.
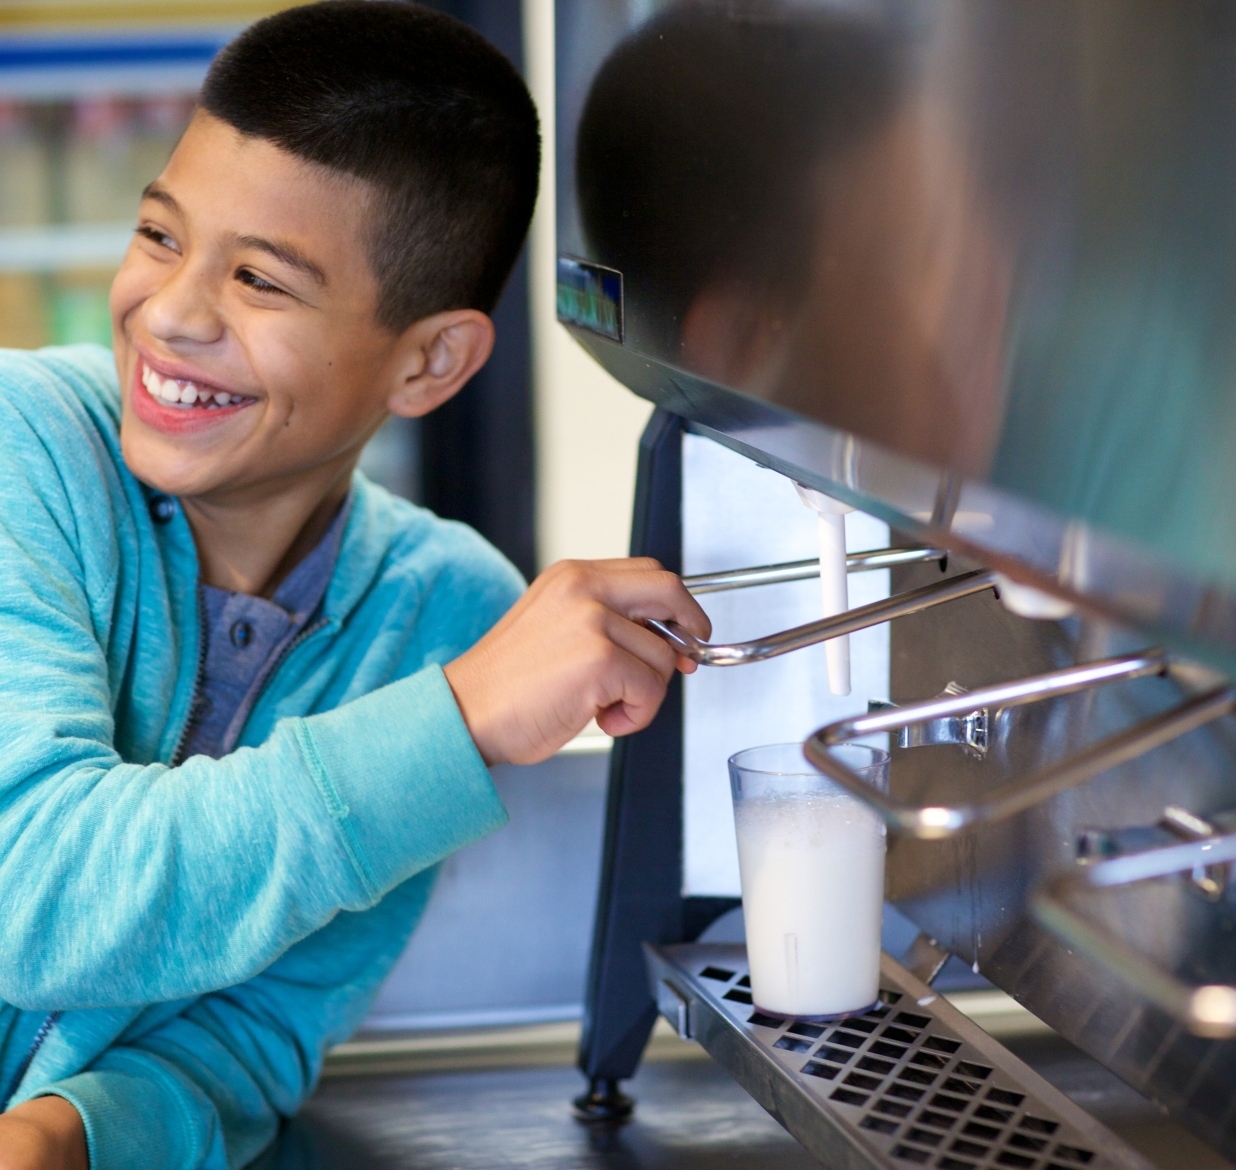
159,464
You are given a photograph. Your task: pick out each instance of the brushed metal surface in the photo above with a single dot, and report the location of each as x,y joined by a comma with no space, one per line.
966,265
971,893
912,1082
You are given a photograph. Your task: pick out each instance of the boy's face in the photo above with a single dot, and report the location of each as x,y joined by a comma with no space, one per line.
247,295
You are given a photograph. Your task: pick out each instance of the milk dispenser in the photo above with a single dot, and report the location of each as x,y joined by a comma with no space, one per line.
966,271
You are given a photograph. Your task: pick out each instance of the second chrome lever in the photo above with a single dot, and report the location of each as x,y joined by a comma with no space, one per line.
902,605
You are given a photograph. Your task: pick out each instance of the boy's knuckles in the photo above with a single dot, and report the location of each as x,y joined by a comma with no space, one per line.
575,577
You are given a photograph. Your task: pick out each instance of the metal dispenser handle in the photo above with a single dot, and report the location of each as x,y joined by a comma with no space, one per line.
903,604
932,822
779,574
1206,1010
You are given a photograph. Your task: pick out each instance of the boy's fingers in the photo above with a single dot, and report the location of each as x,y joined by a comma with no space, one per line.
627,565
640,642
641,691
653,594
636,587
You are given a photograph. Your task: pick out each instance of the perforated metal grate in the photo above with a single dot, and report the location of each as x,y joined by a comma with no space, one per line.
920,1092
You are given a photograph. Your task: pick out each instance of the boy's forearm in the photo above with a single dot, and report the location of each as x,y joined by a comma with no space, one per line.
236,859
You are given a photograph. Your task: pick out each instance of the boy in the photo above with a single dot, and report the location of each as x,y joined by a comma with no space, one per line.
248,698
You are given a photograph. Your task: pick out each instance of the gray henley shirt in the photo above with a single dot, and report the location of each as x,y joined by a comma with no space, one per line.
246,637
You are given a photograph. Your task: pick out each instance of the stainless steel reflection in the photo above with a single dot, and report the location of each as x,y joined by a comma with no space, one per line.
948,251
971,892
938,820
1206,1010
969,267
1210,880
970,730
800,637
861,562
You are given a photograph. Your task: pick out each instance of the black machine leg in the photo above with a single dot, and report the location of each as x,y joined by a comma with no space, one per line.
640,897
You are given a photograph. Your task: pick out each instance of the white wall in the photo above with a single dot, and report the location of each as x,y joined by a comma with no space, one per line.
587,424
737,513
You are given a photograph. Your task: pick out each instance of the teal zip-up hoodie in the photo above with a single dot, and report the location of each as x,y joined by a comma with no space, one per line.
208,929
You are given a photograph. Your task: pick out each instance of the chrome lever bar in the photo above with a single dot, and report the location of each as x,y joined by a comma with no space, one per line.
1207,1010
903,604
863,562
932,822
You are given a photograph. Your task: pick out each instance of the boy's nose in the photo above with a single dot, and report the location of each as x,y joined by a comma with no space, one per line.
184,309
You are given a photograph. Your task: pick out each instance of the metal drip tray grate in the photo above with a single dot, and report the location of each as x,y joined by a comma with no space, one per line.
911,1083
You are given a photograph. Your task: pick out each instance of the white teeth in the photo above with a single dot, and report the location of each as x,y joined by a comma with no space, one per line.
177,393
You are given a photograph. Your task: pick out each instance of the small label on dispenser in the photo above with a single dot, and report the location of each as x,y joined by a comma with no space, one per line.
590,296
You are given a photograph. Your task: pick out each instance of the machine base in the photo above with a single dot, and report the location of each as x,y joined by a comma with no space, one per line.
911,1083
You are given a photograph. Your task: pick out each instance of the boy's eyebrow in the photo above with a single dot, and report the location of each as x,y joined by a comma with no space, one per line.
288,253
159,195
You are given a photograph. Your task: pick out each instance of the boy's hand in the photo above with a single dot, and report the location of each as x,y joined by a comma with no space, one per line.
571,649
43,1134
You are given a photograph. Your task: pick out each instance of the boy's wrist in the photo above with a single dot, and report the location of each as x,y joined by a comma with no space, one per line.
460,677
46,1133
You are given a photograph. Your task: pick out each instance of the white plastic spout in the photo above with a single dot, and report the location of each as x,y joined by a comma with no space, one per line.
834,584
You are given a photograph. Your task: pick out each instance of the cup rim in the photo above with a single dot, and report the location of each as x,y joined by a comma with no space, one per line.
878,757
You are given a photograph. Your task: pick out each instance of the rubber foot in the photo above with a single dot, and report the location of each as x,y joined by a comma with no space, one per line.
604,1101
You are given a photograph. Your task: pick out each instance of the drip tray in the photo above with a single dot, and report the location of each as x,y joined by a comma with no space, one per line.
911,1083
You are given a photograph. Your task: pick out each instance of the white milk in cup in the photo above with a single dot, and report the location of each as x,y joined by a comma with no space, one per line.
811,858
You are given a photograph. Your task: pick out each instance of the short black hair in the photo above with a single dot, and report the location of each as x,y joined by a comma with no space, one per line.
414,103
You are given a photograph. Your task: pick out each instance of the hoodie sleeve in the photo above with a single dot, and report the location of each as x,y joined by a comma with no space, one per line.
124,883
208,1089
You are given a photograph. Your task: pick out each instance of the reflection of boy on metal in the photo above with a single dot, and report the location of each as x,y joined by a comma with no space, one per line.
792,220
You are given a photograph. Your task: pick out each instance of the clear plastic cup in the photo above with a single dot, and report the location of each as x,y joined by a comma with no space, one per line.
811,857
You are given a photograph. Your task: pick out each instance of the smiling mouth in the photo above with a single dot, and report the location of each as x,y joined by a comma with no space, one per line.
182,395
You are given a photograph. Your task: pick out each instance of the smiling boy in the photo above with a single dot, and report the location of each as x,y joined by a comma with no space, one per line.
248,697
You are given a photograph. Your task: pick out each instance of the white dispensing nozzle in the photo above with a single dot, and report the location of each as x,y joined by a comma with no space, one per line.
834,587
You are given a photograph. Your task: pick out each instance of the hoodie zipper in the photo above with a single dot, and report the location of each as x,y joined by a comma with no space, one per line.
199,678
40,1037
273,669
305,634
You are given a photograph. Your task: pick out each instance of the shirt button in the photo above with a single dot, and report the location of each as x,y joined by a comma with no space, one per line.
241,634
162,509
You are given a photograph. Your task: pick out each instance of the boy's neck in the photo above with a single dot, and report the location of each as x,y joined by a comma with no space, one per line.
251,545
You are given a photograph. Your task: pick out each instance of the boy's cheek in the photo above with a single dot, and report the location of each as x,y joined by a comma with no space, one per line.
126,294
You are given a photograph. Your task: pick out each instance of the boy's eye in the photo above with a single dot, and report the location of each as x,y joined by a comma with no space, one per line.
155,236
253,281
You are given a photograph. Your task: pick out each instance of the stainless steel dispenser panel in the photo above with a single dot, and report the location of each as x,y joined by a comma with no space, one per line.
972,892
967,264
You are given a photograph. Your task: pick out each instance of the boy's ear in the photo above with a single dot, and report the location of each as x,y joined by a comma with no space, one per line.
436,356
